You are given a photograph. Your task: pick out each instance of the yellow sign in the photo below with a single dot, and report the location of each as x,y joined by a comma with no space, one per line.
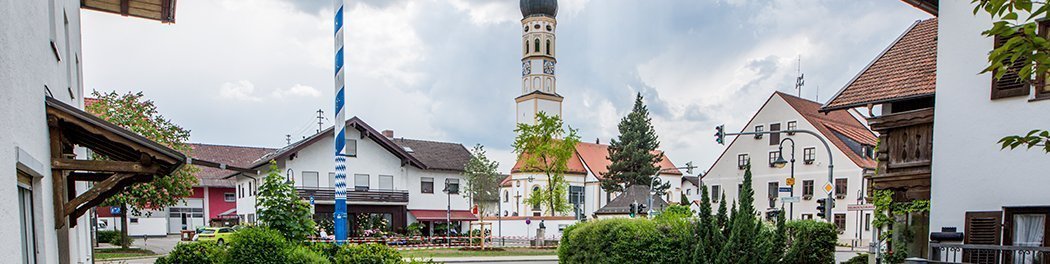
828,187
791,181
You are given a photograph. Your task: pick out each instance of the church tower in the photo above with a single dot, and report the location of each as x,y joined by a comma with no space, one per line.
539,91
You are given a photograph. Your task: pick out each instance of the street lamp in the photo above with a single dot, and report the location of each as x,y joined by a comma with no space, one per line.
780,163
448,213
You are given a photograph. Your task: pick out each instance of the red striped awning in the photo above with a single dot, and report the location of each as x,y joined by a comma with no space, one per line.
441,215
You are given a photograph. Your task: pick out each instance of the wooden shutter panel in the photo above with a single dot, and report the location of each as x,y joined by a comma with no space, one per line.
983,228
1009,85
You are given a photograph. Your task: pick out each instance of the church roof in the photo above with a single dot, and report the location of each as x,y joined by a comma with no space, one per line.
594,158
539,8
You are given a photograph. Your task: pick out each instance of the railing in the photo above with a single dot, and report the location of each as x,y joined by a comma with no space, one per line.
422,242
328,194
990,254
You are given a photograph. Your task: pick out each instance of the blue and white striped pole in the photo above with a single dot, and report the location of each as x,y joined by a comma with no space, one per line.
340,130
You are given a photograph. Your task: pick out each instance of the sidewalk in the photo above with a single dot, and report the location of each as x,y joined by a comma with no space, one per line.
502,259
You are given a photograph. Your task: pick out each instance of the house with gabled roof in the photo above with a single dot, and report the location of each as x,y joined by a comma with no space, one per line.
396,180
851,145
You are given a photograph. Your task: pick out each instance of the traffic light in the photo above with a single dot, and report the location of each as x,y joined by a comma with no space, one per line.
821,207
634,209
720,134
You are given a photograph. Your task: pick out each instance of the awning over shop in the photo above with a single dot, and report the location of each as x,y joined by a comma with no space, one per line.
442,215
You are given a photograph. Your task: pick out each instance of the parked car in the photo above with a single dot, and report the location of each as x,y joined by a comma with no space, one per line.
218,234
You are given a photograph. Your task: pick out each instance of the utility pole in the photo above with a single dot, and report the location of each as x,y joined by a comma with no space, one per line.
320,120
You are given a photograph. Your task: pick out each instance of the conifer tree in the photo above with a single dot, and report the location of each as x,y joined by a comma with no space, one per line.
742,244
633,153
707,231
723,216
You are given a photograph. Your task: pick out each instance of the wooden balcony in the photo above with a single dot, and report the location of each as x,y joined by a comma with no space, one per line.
375,196
904,154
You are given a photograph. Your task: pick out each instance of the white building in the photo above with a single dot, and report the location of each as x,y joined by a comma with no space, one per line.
41,79
851,146
401,180
973,180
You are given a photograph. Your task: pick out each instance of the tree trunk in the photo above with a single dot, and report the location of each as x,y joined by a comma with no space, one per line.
124,226
550,192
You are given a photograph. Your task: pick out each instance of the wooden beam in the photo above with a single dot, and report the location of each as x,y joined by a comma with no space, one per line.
103,166
95,193
125,6
88,176
58,184
80,210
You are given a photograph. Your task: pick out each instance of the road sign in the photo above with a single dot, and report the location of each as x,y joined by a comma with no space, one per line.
828,188
790,181
311,200
113,210
785,189
860,207
792,199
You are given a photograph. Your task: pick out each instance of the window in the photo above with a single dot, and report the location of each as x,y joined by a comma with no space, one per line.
807,189
576,198
331,179
1009,85
840,222
716,193
809,155
526,42
351,147
840,188
773,155
742,160
792,125
548,47
1025,227
774,138
869,151
452,186
688,191
426,185
310,179
27,221
506,196
386,182
536,45
758,129
252,187
361,182
774,191
807,216
867,222
229,197
240,190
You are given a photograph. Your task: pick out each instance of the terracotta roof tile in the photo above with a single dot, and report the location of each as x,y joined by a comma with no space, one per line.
907,69
232,155
839,121
574,165
596,156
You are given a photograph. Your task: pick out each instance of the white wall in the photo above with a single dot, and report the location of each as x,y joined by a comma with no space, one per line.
726,174
28,65
518,229
970,172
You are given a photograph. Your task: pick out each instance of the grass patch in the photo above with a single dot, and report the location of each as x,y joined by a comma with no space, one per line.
452,253
112,253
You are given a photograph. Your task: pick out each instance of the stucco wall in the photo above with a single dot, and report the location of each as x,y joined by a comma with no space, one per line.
970,172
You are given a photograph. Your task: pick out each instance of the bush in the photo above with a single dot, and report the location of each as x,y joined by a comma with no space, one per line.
861,258
105,236
257,245
627,241
810,241
371,253
204,252
115,240
306,255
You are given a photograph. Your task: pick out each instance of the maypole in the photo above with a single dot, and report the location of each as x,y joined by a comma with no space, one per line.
340,130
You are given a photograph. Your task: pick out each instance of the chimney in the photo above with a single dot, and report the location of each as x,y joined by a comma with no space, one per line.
388,133
597,141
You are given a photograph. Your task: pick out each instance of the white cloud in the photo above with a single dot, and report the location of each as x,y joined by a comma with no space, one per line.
242,90
297,90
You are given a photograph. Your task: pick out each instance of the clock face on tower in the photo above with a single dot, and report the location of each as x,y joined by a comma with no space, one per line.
548,67
526,68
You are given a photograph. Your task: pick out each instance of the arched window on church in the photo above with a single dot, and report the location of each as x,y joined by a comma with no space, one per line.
548,47
548,86
506,196
526,47
535,207
536,83
537,45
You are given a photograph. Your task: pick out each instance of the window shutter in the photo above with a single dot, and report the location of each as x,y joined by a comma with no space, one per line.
983,228
1009,85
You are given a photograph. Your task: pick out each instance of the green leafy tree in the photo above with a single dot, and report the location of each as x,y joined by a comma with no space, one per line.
281,209
633,153
482,179
741,246
133,112
1016,21
546,148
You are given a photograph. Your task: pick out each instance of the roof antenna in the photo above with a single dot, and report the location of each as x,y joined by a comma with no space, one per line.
288,138
320,120
799,81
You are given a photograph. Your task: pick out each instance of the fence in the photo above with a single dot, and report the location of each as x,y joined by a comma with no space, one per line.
424,242
988,254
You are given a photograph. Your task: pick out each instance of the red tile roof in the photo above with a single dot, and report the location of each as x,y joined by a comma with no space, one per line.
841,122
232,155
595,157
907,69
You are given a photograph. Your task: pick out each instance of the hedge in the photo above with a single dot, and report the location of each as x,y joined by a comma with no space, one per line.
627,241
204,252
810,241
257,245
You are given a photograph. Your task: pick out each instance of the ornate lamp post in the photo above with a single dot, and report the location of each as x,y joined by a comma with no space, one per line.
780,163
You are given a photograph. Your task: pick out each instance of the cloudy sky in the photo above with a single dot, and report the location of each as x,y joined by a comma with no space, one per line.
241,72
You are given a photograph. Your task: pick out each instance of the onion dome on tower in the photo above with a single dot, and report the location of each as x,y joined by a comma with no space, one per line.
539,8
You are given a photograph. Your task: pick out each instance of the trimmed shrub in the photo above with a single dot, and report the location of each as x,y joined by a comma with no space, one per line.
203,252
306,255
810,241
106,236
257,245
627,241
115,240
371,253
860,258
